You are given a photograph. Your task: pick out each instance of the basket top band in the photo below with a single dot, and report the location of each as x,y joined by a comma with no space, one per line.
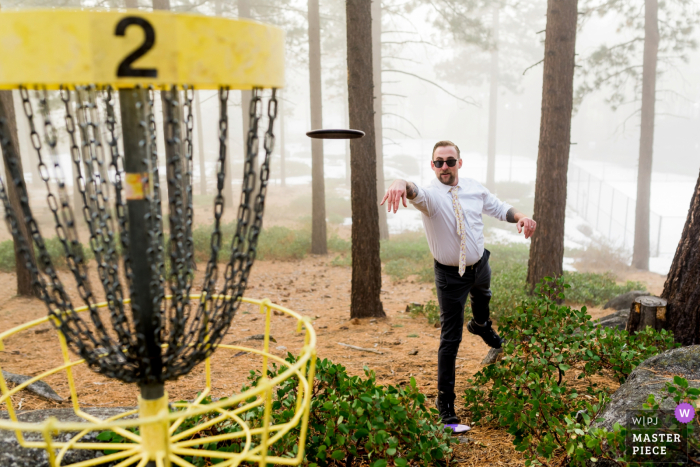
126,48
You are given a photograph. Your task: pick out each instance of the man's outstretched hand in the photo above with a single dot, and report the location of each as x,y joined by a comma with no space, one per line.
395,194
527,225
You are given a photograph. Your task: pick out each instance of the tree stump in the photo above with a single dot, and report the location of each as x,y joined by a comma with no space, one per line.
647,311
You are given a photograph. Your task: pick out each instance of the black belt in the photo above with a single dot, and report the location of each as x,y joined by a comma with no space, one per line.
445,267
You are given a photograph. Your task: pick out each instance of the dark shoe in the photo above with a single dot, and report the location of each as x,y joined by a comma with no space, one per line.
446,406
486,332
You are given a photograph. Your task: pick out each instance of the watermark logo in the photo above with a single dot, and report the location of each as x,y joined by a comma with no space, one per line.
657,437
684,412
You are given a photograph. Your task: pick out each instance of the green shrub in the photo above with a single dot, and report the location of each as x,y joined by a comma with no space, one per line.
528,391
430,310
595,289
355,418
7,256
283,243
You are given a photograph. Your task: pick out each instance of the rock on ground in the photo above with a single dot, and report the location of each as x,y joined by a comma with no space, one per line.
13,455
614,320
39,388
492,357
650,377
625,300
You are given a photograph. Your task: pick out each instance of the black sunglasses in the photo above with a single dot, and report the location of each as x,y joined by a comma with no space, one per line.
449,162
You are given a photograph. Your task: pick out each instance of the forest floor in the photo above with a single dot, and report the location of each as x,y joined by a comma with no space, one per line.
314,288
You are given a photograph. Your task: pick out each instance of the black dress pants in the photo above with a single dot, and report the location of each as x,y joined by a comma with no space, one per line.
452,291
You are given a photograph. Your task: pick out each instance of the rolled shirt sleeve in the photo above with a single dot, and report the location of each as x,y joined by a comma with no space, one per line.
494,207
423,201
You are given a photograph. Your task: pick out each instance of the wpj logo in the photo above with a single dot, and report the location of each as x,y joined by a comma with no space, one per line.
658,436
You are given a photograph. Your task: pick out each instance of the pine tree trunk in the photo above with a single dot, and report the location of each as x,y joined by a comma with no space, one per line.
283,169
347,125
493,107
170,149
227,192
640,255
7,113
200,146
377,73
27,153
681,287
547,247
318,188
365,300
246,96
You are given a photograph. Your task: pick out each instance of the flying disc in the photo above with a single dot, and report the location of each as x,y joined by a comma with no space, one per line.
335,134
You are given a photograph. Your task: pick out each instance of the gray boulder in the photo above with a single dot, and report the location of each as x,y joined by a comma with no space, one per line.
492,357
614,320
650,377
624,301
14,455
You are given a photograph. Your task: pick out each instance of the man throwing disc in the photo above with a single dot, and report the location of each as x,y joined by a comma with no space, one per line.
452,209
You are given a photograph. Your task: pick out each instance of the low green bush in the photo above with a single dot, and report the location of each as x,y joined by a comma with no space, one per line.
430,310
531,393
353,419
7,256
282,243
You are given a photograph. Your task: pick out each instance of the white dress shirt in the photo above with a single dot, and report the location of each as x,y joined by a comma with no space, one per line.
435,203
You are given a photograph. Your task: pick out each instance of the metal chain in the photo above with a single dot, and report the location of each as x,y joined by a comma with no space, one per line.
191,337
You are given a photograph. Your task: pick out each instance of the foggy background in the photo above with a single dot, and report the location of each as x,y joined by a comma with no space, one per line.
437,87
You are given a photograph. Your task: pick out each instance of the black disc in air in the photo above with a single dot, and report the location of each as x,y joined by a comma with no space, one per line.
335,134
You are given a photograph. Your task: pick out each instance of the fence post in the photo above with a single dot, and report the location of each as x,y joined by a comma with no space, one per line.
588,196
600,192
658,238
612,206
627,212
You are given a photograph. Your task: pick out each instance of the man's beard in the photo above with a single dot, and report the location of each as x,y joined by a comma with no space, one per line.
449,181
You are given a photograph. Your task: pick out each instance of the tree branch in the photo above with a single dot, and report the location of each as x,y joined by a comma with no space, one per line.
405,119
409,42
433,83
398,131
532,66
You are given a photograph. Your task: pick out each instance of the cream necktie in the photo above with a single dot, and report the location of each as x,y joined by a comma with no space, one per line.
461,229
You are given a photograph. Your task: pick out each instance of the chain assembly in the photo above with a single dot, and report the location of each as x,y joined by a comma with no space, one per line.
187,332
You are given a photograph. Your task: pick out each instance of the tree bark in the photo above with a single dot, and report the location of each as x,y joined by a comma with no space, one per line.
283,169
170,149
377,74
547,247
228,174
365,297
681,287
347,125
493,107
640,254
200,146
131,3
246,96
25,147
7,113
318,189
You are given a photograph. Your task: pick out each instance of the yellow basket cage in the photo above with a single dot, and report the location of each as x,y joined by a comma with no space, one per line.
158,422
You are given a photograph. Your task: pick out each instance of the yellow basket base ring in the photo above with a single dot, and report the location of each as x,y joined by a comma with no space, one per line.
167,433
126,48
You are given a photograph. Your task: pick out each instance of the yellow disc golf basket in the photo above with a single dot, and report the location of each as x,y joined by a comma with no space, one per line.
93,78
